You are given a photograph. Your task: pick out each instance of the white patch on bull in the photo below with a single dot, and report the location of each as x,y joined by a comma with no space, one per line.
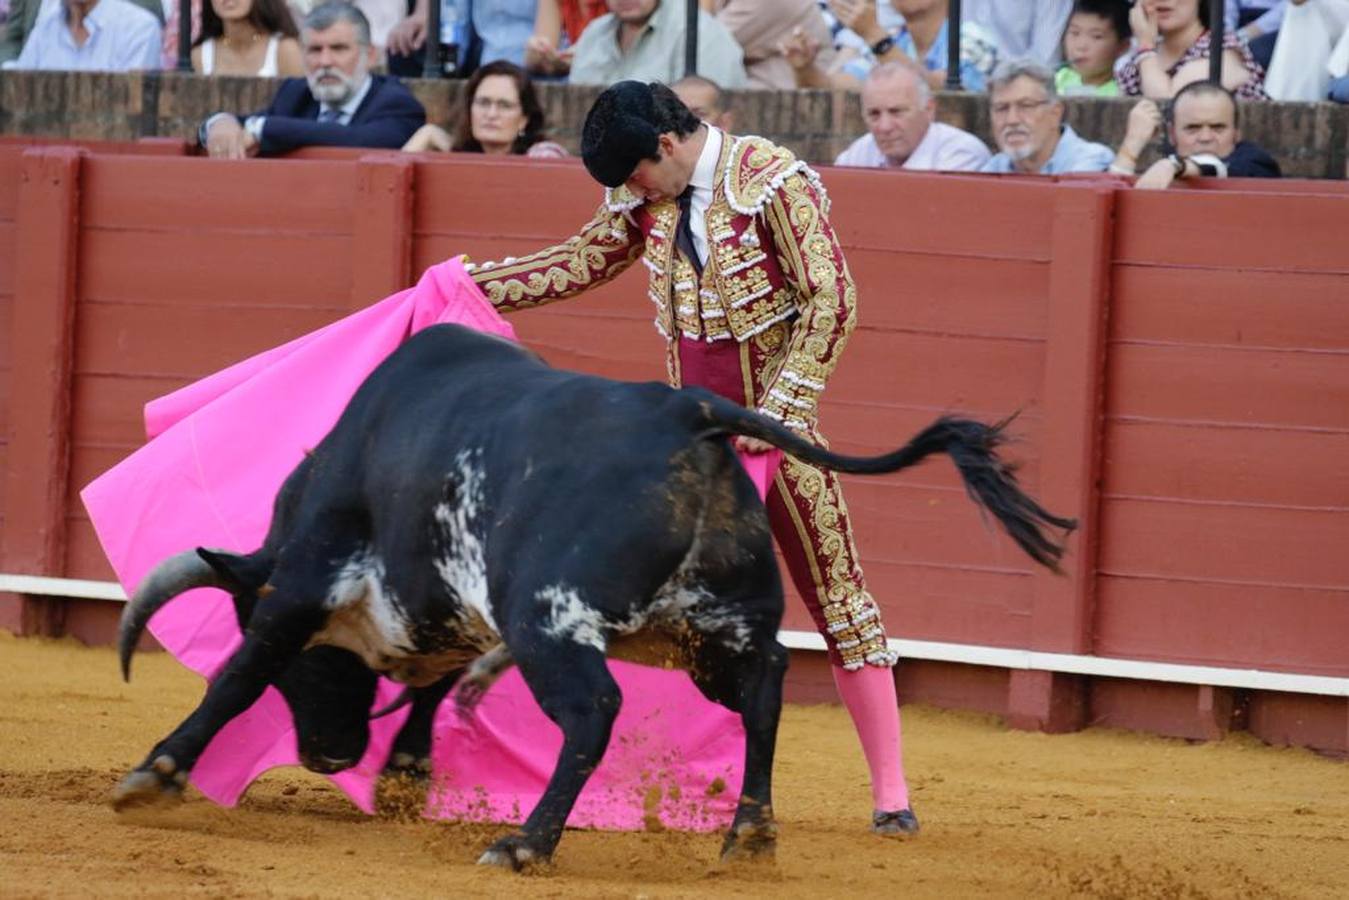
365,616
462,565
570,618
683,598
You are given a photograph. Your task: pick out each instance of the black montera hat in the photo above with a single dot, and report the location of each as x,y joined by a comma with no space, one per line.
620,131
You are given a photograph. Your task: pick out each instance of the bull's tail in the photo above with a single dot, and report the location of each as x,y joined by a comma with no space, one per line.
971,445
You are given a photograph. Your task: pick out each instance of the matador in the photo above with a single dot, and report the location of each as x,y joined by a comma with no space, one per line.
753,294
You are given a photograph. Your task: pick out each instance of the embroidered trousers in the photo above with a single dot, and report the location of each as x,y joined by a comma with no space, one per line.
805,504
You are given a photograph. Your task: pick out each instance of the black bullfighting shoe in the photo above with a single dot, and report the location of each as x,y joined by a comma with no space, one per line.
895,824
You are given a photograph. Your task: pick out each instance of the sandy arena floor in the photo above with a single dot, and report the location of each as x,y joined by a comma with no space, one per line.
1101,814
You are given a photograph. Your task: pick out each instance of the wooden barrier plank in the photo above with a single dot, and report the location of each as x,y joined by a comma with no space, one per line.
215,268
33,540
262,196
1240,231
1224,624
929,525
951,372
87,462
1226,542
8,248
184,341
939,603
11,157
1231,385
84,555
108,408
1291,310
934,293
914,212
1207,463
381,228
1013,222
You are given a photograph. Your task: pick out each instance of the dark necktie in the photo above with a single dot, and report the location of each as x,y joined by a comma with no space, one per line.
684,232
331,115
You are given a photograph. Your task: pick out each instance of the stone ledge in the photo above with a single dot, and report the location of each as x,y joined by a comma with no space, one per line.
1310,140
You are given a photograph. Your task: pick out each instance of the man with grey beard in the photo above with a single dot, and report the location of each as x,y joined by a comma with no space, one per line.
1027,120
337,104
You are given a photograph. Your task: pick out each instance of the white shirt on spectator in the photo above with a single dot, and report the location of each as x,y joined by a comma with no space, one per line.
122,37
1024,28
658,52
944,148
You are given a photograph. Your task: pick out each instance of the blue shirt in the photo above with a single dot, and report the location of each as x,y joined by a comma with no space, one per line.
503,26
978,55
122,37
1073,154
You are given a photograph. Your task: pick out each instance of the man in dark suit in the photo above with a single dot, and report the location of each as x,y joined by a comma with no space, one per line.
337,104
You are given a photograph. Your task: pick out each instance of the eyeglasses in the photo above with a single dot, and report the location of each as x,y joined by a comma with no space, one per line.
1025,107
486,104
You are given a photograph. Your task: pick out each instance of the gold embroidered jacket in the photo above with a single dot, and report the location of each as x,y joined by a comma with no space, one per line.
772,257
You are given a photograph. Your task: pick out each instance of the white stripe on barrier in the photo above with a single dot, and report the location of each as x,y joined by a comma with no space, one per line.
62,587
970,654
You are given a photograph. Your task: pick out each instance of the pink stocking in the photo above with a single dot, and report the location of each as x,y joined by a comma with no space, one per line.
869,695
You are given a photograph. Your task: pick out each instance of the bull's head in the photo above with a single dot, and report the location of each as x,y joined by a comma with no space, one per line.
329,690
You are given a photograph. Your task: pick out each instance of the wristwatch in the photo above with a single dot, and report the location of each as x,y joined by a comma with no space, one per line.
1179,162
883,46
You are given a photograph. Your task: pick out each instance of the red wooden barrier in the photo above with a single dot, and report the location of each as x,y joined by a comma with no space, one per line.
1179,362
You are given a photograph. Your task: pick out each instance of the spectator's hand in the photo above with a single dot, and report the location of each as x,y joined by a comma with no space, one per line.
227,139
1144,25
1144,121
860,17
800,49
407,37
542,56
428,137
1158,177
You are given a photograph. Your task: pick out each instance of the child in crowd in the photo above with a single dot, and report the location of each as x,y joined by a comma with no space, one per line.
1097,35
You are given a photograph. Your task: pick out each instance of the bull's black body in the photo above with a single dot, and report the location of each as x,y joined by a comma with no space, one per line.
472,500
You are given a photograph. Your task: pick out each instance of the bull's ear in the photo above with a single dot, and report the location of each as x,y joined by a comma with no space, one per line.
240,574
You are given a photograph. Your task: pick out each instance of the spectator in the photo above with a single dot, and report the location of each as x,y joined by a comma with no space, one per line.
899,110
500,115
762,26
1096,36
92,36
1172,49
643,40
1206,134
921,37
247,37
337,104
496,29
1027,118
1023,29
706,100
23,16
1258,23
1301,66
557,27
1338,66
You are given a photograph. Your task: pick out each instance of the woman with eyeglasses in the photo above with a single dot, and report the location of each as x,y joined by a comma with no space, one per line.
500,114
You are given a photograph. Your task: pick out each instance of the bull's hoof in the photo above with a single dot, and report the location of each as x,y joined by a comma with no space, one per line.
513,852
750,841
400,792
902,823
159,782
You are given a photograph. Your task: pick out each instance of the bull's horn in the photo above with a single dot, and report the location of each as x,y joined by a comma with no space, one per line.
403,699
167,580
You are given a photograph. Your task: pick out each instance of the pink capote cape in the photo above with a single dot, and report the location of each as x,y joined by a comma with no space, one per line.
219,451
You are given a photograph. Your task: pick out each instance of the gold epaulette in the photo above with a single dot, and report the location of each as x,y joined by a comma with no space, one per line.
757,170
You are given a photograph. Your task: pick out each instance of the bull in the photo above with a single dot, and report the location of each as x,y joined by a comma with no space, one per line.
474,508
